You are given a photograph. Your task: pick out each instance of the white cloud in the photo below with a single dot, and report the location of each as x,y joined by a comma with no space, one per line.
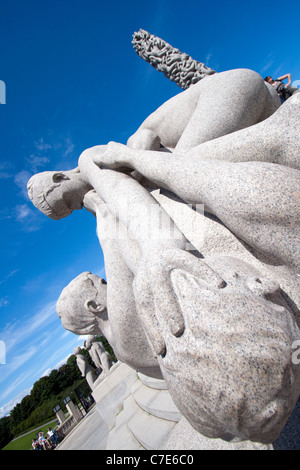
6,170
3,302
29,218
21,180
14,334
83,337
57,366
41,145
70,147
22,212
207,59
16,363
6,409
14,271
36,162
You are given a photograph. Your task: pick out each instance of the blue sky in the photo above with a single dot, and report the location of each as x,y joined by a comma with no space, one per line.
73,80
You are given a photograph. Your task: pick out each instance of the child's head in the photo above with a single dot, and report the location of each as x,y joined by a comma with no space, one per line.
82,304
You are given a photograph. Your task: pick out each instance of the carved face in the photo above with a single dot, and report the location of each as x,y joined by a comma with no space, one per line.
82,305
57,194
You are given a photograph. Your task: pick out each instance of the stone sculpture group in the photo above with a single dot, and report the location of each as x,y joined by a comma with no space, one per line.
216,314
175,65
100,357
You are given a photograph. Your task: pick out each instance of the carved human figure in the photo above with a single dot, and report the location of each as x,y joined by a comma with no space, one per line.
215,106
99,355
85,368
231,373
242,178
177,66
158,307
240,331
225,307
262,178
89,306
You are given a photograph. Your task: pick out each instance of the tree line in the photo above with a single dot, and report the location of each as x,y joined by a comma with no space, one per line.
46,393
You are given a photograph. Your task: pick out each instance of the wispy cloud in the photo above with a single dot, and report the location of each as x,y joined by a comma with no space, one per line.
29,219
12,273
16,333
6,170
69,147
270,60
3,302
21,180
37,162
22,212
57,366
16,364
206,61
6,409
41,145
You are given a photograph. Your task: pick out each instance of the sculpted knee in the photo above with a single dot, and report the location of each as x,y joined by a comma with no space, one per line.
145,139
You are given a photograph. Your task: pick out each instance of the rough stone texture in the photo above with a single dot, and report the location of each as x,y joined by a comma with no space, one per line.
227,371
111,392
85,368
216,106
175,65
98,354
184,437
82,308
274,140
222,318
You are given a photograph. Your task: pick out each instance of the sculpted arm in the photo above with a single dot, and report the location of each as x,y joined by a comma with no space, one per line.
130,203
244,196
124,328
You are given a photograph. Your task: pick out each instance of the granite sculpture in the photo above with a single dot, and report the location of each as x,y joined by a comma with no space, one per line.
218,322
85,368
175,65
100,357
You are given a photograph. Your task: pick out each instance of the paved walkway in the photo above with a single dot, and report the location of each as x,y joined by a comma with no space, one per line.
90,434
33,430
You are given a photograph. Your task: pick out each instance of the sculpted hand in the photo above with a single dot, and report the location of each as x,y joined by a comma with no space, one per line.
160,269
159,300
90,201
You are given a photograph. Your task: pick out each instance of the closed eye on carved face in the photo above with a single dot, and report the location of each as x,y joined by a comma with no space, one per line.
58,177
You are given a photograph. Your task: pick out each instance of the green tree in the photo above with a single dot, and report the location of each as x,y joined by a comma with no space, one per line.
5,432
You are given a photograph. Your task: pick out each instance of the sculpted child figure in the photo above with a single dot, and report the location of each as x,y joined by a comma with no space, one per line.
177,304
85,368
230,371
98,353
227,369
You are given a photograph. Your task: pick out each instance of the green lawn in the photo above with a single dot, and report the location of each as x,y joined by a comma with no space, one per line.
24,442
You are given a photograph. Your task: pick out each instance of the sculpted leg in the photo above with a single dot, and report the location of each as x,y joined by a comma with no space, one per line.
275,140
217,105
122,258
